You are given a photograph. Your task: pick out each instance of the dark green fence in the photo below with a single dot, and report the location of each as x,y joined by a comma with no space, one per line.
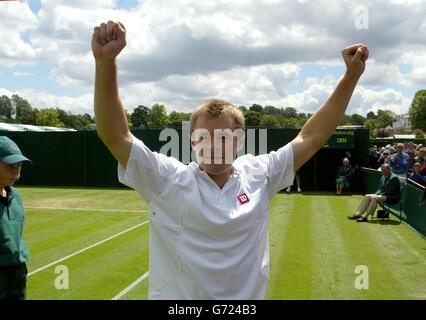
80,159
413,207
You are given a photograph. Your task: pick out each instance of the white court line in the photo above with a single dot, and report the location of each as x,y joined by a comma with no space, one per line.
134,284
84,209
85,249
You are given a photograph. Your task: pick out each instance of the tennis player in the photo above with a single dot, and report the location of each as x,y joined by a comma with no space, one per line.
208,220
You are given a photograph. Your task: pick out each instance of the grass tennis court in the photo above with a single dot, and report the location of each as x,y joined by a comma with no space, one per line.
102,237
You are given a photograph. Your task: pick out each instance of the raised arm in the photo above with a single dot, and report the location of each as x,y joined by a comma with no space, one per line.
107,42
325,120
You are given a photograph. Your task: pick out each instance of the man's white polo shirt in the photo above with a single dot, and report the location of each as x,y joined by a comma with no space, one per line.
207,242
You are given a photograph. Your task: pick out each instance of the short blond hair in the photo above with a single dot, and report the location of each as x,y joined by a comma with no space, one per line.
215,108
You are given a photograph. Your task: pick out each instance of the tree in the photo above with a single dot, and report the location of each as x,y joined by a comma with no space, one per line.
87,117
357,119
243,109
371,115
301,115
82,122
75,121
269,121
271,110
301,122
24,112
346,120
140,117
49,117
417,111
290,123
290,112
6,109
419,133
370,124
256,108
385,118
253,119
158,116
66,118
176,118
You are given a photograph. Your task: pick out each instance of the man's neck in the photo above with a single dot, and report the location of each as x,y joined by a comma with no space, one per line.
221,179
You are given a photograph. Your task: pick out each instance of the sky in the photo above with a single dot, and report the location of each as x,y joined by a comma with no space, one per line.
285,53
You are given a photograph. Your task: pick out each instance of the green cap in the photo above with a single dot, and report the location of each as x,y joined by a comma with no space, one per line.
10,153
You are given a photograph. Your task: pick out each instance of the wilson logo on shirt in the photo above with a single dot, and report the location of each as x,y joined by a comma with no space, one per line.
243,198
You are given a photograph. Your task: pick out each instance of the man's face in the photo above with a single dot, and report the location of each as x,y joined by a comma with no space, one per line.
399,149
215,144
9,173
385,170
417,168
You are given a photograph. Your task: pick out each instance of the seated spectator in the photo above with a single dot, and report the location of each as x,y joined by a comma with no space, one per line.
391,149
389,191
373,157
411,151
420,158
384,158
416,176
400,161
344,176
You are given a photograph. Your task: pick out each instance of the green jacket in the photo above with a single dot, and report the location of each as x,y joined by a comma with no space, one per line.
13,250
346,172
391,188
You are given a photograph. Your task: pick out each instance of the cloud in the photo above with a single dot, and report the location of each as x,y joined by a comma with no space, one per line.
16,18
242,86
372,100
417,75
247,51
362,101
199,37
381,74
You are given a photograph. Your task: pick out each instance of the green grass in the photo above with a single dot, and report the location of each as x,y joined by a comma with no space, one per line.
314,249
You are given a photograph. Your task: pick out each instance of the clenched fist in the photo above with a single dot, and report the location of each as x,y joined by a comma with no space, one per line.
108,40
355,57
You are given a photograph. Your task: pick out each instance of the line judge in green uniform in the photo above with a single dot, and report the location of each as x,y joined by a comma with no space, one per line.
13,250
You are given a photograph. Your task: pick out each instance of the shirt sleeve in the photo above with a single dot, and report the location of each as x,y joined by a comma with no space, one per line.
148,172
279,168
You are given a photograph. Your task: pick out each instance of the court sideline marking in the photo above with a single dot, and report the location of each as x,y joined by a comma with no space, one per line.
130,287
84,209
85,249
